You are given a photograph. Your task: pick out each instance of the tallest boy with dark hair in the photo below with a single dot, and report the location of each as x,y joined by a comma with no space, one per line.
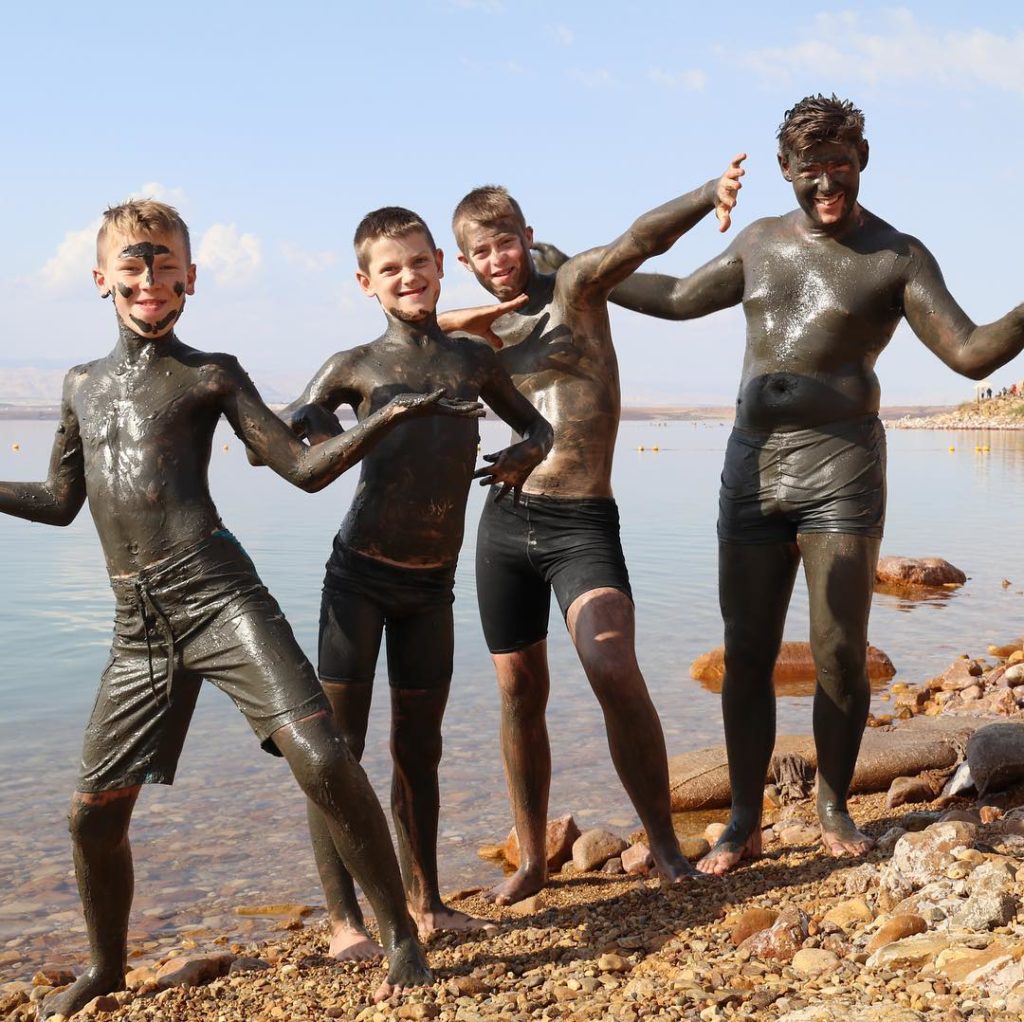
823,288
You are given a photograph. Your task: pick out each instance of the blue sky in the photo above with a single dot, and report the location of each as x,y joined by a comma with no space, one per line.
275,130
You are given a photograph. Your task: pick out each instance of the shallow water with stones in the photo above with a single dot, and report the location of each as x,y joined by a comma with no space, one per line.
230,833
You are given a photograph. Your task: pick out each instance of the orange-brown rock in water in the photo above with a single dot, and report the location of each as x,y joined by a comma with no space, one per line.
933,572
794,668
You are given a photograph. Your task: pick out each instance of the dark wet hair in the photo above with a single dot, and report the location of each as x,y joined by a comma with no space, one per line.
820,119
387,222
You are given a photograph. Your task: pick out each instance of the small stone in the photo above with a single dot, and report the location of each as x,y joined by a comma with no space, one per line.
694,847
637,859
799,835
713,831
810,961
754,920
909,789
559,837
896,928
613,866
593,848
849,913
528,906
611,962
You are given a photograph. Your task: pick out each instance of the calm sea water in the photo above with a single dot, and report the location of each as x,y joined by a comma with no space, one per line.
231,832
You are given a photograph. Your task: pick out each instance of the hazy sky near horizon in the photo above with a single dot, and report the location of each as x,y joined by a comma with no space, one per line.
275,129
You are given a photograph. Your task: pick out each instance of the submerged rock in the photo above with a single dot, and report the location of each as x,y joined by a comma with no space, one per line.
933,572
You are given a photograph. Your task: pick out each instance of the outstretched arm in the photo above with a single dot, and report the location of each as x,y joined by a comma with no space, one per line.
312,468
594,273
511,467
58,500
479,320
716,285
937,319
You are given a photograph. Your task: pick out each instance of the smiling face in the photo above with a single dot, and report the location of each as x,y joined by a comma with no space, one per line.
826,181
404,275
498,254
148,277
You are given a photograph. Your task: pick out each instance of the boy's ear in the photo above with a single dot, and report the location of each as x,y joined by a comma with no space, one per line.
439,256
190,279
863,152
100,280
529,237
784,166
364,284
465,261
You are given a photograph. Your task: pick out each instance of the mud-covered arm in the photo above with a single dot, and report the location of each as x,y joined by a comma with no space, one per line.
479,319
944,328
312,468
594,273
718,284
58,500
511,467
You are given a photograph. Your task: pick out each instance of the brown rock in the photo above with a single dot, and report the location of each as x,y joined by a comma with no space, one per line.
139,977
910,789
754,920
559,838
713,831
247,964
613,866
286,909
933,572
593,848
611,962
912,951
637,859
794,665
1006,650
417,1011
102,1005
694,847
53,976
962,673
799,835
896,928
849,913
190,972
529,906
13,994
782,940
813,961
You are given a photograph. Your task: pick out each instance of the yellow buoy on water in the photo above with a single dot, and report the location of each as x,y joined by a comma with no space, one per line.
227,447
641,447
15,447
655,448
952,449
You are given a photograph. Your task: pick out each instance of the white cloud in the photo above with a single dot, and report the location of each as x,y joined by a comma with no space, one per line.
154,190
692,79
73,261
562,34
313,262
844,45
231,257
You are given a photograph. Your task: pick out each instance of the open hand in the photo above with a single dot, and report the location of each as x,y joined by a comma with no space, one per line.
546,257
479,320
727,190
435,403
510,468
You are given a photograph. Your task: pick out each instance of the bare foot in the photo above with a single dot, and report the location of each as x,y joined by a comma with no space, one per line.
730,850
522,884
407,969
92,983
839,834
353,944
444,918
678,872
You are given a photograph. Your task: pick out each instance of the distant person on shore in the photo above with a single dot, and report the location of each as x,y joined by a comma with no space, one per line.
392,570
564,534
134,440
823,288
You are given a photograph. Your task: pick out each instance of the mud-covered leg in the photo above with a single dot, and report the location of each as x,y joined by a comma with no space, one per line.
103,866
350,940
755,582
840,570
416,716
524,685
329,775
602,627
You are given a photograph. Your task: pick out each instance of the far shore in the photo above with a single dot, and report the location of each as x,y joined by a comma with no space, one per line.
660,413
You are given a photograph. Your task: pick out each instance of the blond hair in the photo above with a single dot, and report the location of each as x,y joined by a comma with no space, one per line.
142,218
488,205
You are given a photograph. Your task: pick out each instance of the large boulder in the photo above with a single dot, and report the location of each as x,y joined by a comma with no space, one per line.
559,838
933,572
794,668
995,754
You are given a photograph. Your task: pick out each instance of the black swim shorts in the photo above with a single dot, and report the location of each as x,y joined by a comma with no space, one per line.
827,479
363,598
522,553
201,614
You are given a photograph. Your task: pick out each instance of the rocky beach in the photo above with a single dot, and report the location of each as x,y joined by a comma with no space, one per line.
998,412
928,925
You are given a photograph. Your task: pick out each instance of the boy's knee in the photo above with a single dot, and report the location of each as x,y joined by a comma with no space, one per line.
417,746
98,824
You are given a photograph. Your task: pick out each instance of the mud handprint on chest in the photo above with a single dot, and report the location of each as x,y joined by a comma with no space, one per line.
541,350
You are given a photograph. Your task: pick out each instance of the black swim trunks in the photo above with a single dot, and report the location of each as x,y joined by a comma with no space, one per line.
827,479
364,597
201,614
522,553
